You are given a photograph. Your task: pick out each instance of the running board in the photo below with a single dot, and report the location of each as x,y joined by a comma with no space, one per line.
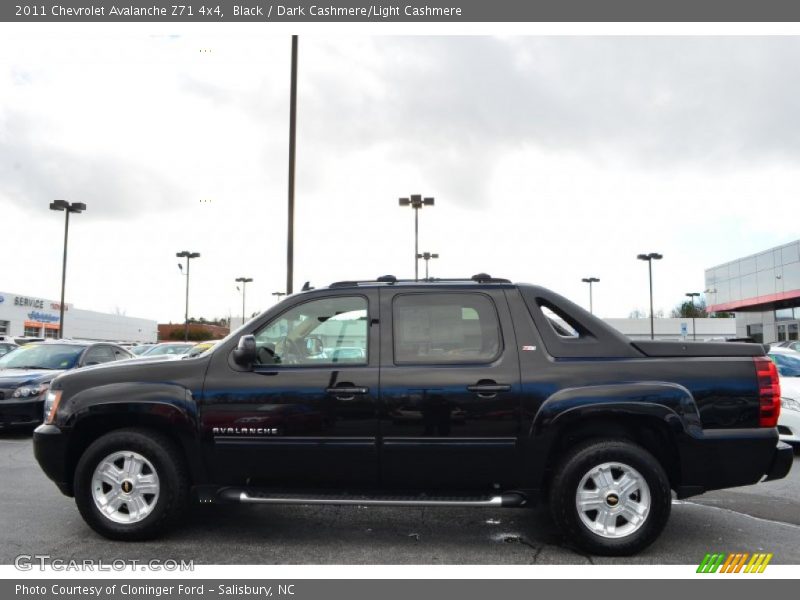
255,496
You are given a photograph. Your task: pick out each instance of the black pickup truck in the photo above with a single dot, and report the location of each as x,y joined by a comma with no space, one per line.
473,392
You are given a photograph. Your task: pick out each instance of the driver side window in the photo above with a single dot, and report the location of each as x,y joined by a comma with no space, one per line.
323,332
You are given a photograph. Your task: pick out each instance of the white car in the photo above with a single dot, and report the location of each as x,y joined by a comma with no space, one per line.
788,363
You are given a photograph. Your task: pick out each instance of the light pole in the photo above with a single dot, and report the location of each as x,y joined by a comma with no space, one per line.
244,281
650,258
590,281
416,202
278,295
67,207
292,152
692,296
427,256
188,256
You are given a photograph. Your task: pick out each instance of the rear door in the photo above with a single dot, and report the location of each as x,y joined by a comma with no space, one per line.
450,389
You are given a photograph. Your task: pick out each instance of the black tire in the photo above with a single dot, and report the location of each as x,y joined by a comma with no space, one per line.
169,465
564,487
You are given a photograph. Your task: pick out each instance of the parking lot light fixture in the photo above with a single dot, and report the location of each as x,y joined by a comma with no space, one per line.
188,256
650,258
244,281
67,207
427,256
692,296
416,201
590,281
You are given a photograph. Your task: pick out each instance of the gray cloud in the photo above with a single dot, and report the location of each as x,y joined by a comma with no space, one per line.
449,105
34,172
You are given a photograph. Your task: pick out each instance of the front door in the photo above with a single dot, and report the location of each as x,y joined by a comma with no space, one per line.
450,391
305,414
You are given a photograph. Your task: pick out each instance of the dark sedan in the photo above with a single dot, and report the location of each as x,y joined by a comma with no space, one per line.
26,373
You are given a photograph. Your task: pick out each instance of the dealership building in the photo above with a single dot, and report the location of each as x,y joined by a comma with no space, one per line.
29,316
763,290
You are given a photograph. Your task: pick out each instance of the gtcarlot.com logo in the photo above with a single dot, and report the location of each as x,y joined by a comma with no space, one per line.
737,562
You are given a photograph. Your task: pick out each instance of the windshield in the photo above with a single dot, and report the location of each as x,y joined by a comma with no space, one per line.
43,356
139,349
162,349
788,366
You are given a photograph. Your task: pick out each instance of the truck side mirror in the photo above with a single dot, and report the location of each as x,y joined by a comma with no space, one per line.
245,353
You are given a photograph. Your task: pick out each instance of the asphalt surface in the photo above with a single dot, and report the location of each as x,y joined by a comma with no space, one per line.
36,519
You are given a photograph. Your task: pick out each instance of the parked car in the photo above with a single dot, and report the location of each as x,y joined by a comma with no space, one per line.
26,374
6,347
788,362
790,345
603,427
199,348
141,349
167,350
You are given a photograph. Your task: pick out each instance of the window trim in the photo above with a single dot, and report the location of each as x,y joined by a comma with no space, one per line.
257,367
500,348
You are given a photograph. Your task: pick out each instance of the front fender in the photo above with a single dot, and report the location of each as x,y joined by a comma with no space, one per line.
170,402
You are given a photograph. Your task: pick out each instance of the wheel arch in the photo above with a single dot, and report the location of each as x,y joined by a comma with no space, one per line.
165,419
653,415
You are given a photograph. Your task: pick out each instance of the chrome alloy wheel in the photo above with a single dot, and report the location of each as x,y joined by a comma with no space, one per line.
613,500
125,487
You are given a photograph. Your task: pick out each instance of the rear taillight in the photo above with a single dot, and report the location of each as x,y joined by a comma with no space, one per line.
769,392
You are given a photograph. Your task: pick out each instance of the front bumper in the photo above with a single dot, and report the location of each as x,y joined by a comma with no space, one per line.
21,411
50,450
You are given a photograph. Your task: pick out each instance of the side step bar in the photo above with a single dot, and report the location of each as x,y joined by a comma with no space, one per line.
251,496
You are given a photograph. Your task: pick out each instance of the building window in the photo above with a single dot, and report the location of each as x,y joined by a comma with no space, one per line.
756,332
4,325
51,333
32,331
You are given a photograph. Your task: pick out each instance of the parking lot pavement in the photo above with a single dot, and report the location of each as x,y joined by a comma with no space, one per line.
36,519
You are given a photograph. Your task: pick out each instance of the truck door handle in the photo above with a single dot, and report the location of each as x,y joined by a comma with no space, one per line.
347,392
488,389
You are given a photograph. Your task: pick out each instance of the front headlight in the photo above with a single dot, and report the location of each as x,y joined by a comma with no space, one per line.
790,404
51,401
30,391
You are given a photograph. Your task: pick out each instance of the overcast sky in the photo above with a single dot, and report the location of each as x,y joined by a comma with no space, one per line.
550,158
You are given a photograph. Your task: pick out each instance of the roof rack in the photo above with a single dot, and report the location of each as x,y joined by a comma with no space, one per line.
391,280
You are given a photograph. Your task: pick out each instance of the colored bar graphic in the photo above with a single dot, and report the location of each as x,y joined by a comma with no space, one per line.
734,563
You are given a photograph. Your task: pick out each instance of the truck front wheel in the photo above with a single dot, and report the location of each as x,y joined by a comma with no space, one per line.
130,484
610,497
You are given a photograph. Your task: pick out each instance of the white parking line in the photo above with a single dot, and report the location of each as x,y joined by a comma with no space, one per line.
736,512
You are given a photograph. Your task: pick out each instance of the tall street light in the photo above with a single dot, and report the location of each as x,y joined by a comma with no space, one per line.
416,202
244,281
292,151
278,295
590,281
427,256
692,296
188,256
650,258
67,207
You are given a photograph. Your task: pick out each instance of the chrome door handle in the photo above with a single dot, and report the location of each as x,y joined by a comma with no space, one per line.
488,390
346,393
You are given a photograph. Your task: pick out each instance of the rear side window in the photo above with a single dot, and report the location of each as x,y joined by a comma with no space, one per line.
445,328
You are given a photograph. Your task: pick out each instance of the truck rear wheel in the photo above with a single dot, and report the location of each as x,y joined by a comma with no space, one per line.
131,484
610,497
